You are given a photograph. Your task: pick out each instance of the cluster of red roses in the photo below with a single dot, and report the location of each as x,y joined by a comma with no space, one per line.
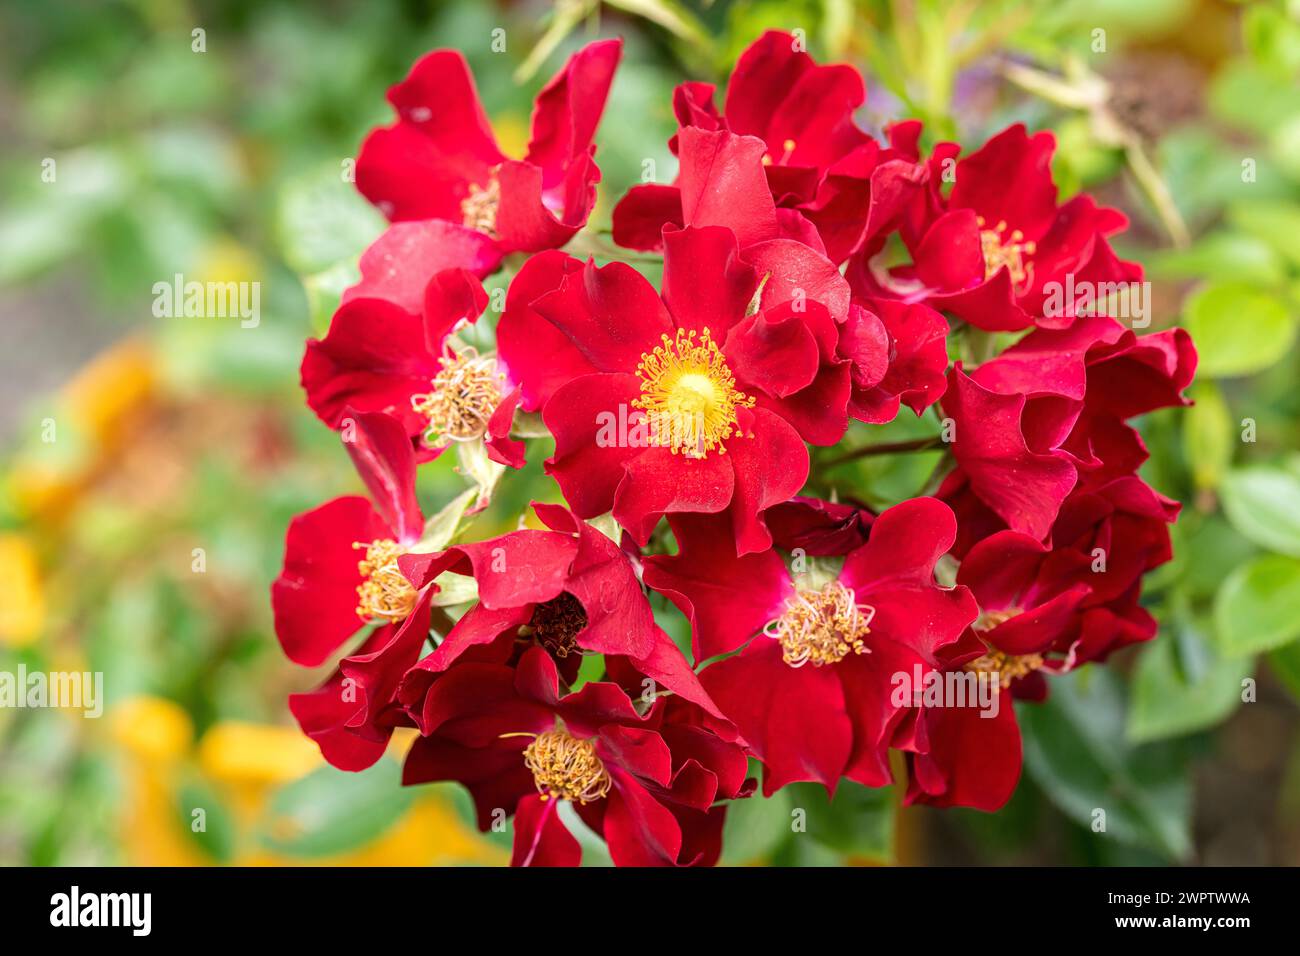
806,272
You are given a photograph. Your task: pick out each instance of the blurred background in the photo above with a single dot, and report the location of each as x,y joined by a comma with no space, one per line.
150,465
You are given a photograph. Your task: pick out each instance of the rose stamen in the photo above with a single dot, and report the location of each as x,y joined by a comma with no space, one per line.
384,591
1012,251
461,399
479,208
565,768
1007,667
822,627
689,394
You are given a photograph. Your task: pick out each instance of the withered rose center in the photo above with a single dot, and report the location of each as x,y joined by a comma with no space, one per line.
1001,248
556,624
689,394
384,591
565,768
461,398
822,627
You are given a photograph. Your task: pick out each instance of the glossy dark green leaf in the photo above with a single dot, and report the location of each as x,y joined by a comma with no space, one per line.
1076,750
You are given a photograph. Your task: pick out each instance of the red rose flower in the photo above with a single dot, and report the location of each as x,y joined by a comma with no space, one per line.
964,755
649,783
378,357
571,591
818,527
1051,411
441,161
991,252
811,690
693,402
828,181
900,356
340,573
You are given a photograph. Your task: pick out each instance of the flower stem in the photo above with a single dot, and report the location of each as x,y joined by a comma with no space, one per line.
889,448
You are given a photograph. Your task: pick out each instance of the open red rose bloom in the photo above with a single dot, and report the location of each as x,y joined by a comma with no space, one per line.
714,608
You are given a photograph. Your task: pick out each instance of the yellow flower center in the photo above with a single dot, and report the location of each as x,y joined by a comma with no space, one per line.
1003,249
556,624
689,395
822,627
384,591
461,399
1007,667
479,208
565,768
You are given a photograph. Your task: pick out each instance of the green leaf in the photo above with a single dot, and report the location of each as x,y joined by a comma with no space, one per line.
440,530
1221,256
321,220
1173,697
330,811
1238,330
325,289
1076,751
672,16
1208,436
1277,223
1273,39
1285,664
480,470
1263,504
217,836
858,823
454,589
1258,607
1250,97
755,827
565,17
595,852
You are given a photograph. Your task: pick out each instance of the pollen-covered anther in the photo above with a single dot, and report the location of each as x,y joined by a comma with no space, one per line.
479,208
822,627
384,591
556,624
461,398
566,768
1007,667
1001,248
689,395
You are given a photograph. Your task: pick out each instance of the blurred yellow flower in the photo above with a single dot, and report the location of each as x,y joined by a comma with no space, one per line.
240,753
248,763
151,729
22,611
94,409
225,260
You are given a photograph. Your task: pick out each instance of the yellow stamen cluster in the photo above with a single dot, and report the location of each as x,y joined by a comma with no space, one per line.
556,624
565,768
689,394
479,208
461,399
384,591
1008,667
822,627
1001,249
